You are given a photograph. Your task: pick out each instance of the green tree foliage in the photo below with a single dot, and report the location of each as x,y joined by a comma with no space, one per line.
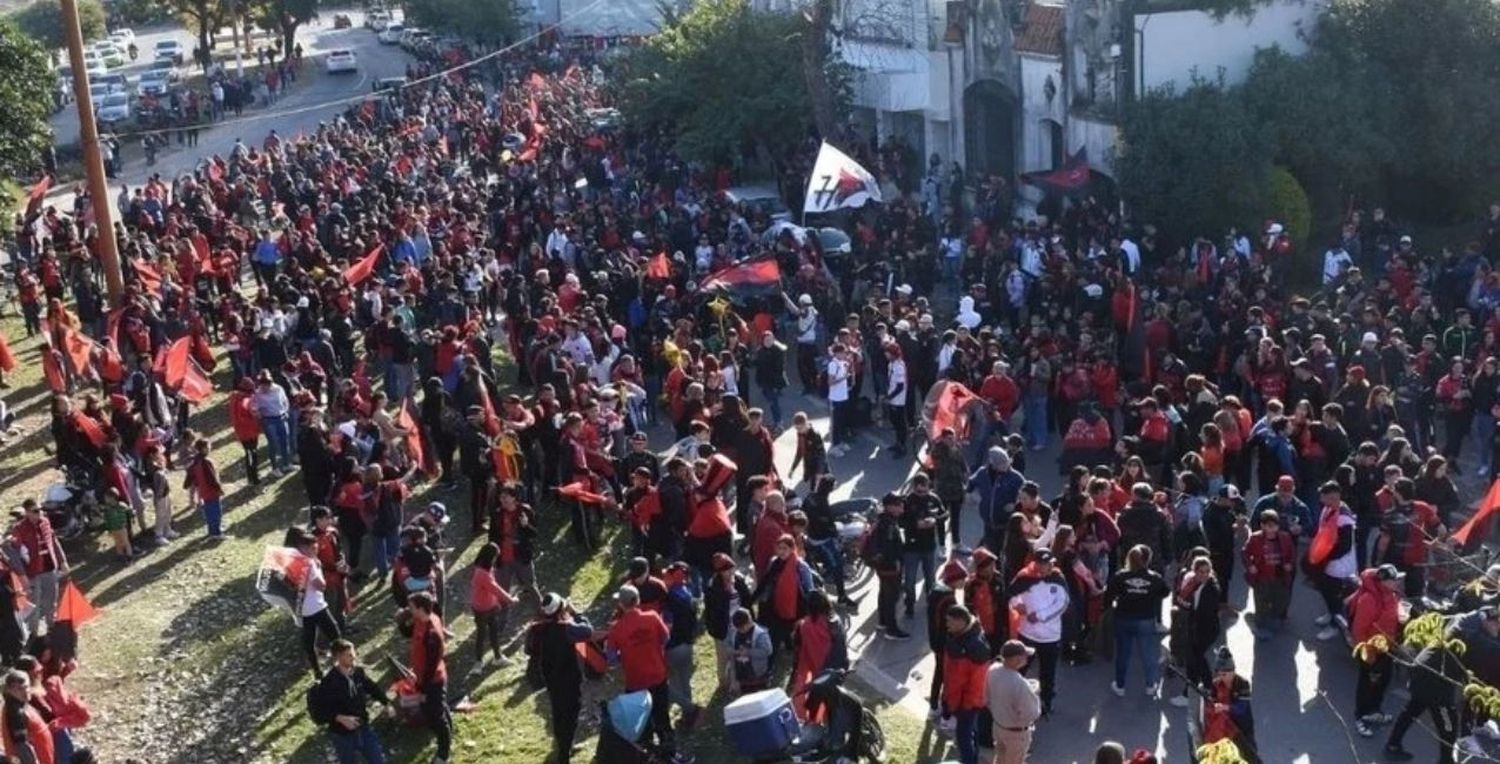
283,17
202,17
496,21
25,100
43,22
722,80
1194,163
1287,203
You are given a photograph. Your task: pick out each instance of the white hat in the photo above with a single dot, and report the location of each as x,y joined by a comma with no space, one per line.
805,299
903,325
1405,239
553,602
1369,337
1094,290
903,289
1275,228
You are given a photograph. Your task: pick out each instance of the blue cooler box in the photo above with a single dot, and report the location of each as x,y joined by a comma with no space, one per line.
761,723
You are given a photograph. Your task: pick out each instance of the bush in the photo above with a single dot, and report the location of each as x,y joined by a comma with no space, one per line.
42,21
1287,203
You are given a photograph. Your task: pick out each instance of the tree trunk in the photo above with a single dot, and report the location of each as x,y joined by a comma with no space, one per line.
815,62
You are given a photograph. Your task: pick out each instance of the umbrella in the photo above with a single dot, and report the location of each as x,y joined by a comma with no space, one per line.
834,241
773,234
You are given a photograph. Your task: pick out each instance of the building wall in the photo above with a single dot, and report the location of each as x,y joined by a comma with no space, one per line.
1171,46
1098,136
1036,141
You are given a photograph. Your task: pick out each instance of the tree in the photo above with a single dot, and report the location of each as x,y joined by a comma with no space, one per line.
43,22
486,20
722,80
1196,163
283,17
26,101
203,16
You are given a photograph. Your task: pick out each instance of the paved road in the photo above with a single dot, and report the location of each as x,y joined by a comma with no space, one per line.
306,98
1294,722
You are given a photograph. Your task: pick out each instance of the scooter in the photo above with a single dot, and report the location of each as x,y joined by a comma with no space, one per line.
851,734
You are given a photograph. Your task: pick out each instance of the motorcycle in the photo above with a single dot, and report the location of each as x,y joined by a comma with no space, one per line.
851,734
68,504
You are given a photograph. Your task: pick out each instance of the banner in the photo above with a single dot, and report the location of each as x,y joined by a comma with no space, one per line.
1071,179
838,182
1478,526
747,278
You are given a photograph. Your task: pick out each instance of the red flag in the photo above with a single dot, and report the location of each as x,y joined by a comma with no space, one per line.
196,386
215,172
73,606
406,419
173,364
950,411
1325,538
35,196
579,491
78,348
358,272
750,276
7,358
149,275
491,422
1480,523
659,267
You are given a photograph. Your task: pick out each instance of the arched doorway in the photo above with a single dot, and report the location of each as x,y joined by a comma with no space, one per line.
990,130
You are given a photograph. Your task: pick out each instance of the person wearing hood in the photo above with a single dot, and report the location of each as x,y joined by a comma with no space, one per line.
1374,616
1088,440
967,317
1226,713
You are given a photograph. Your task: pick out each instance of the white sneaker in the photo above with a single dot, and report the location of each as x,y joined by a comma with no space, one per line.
1152,689
161,540
1117,690
1323,620
934,714
1327,633
1363,729
1180,701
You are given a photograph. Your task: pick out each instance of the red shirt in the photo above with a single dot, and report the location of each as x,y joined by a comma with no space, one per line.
485,593
641,638
36,538
205,479
427,667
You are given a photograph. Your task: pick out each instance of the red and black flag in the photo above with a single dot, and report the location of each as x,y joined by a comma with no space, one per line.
752,278
35,195
1071,179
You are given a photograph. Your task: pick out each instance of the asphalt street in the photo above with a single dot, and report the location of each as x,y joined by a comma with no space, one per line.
1303,688
301,109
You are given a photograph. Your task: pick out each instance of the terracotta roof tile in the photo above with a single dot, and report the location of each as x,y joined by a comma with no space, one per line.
1041,30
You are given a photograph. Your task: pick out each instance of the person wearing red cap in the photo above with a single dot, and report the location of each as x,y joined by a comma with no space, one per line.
1292,513
942,597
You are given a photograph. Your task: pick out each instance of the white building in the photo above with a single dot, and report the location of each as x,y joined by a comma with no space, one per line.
1008,87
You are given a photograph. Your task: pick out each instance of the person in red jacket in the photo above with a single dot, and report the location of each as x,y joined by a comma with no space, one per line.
1374,612
203,480
966,658
429,669
769,528
246,425
1270,557
640,638
1406,529
1002,392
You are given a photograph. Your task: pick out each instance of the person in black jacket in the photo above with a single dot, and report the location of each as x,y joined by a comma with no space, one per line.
550,643
1434,681
770,374
1222,518
939,600
318,461
1195,620
681,614
1141,522
723,594
665,536
474,459
1135,593
887,551
340,702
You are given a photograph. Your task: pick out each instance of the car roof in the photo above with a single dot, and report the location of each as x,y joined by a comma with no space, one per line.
168,44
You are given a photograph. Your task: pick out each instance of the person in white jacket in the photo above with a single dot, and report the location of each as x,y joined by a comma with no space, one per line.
1040,594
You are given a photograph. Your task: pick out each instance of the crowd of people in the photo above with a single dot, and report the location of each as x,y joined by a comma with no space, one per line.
1215,424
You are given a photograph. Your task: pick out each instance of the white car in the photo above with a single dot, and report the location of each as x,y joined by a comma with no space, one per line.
378,20
154,82
115,108
341,61
99,90
111,54
95,68
124,36
167,50
391,35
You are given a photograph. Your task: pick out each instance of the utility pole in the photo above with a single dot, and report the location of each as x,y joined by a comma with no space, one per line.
93,159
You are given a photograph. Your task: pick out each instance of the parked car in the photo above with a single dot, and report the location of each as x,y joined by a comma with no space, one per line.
391,34
155,82
764,199
341,61
342,21
123,36
115,80
377,20
114,110
412,36
168,50
98,91
111,54
388,83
